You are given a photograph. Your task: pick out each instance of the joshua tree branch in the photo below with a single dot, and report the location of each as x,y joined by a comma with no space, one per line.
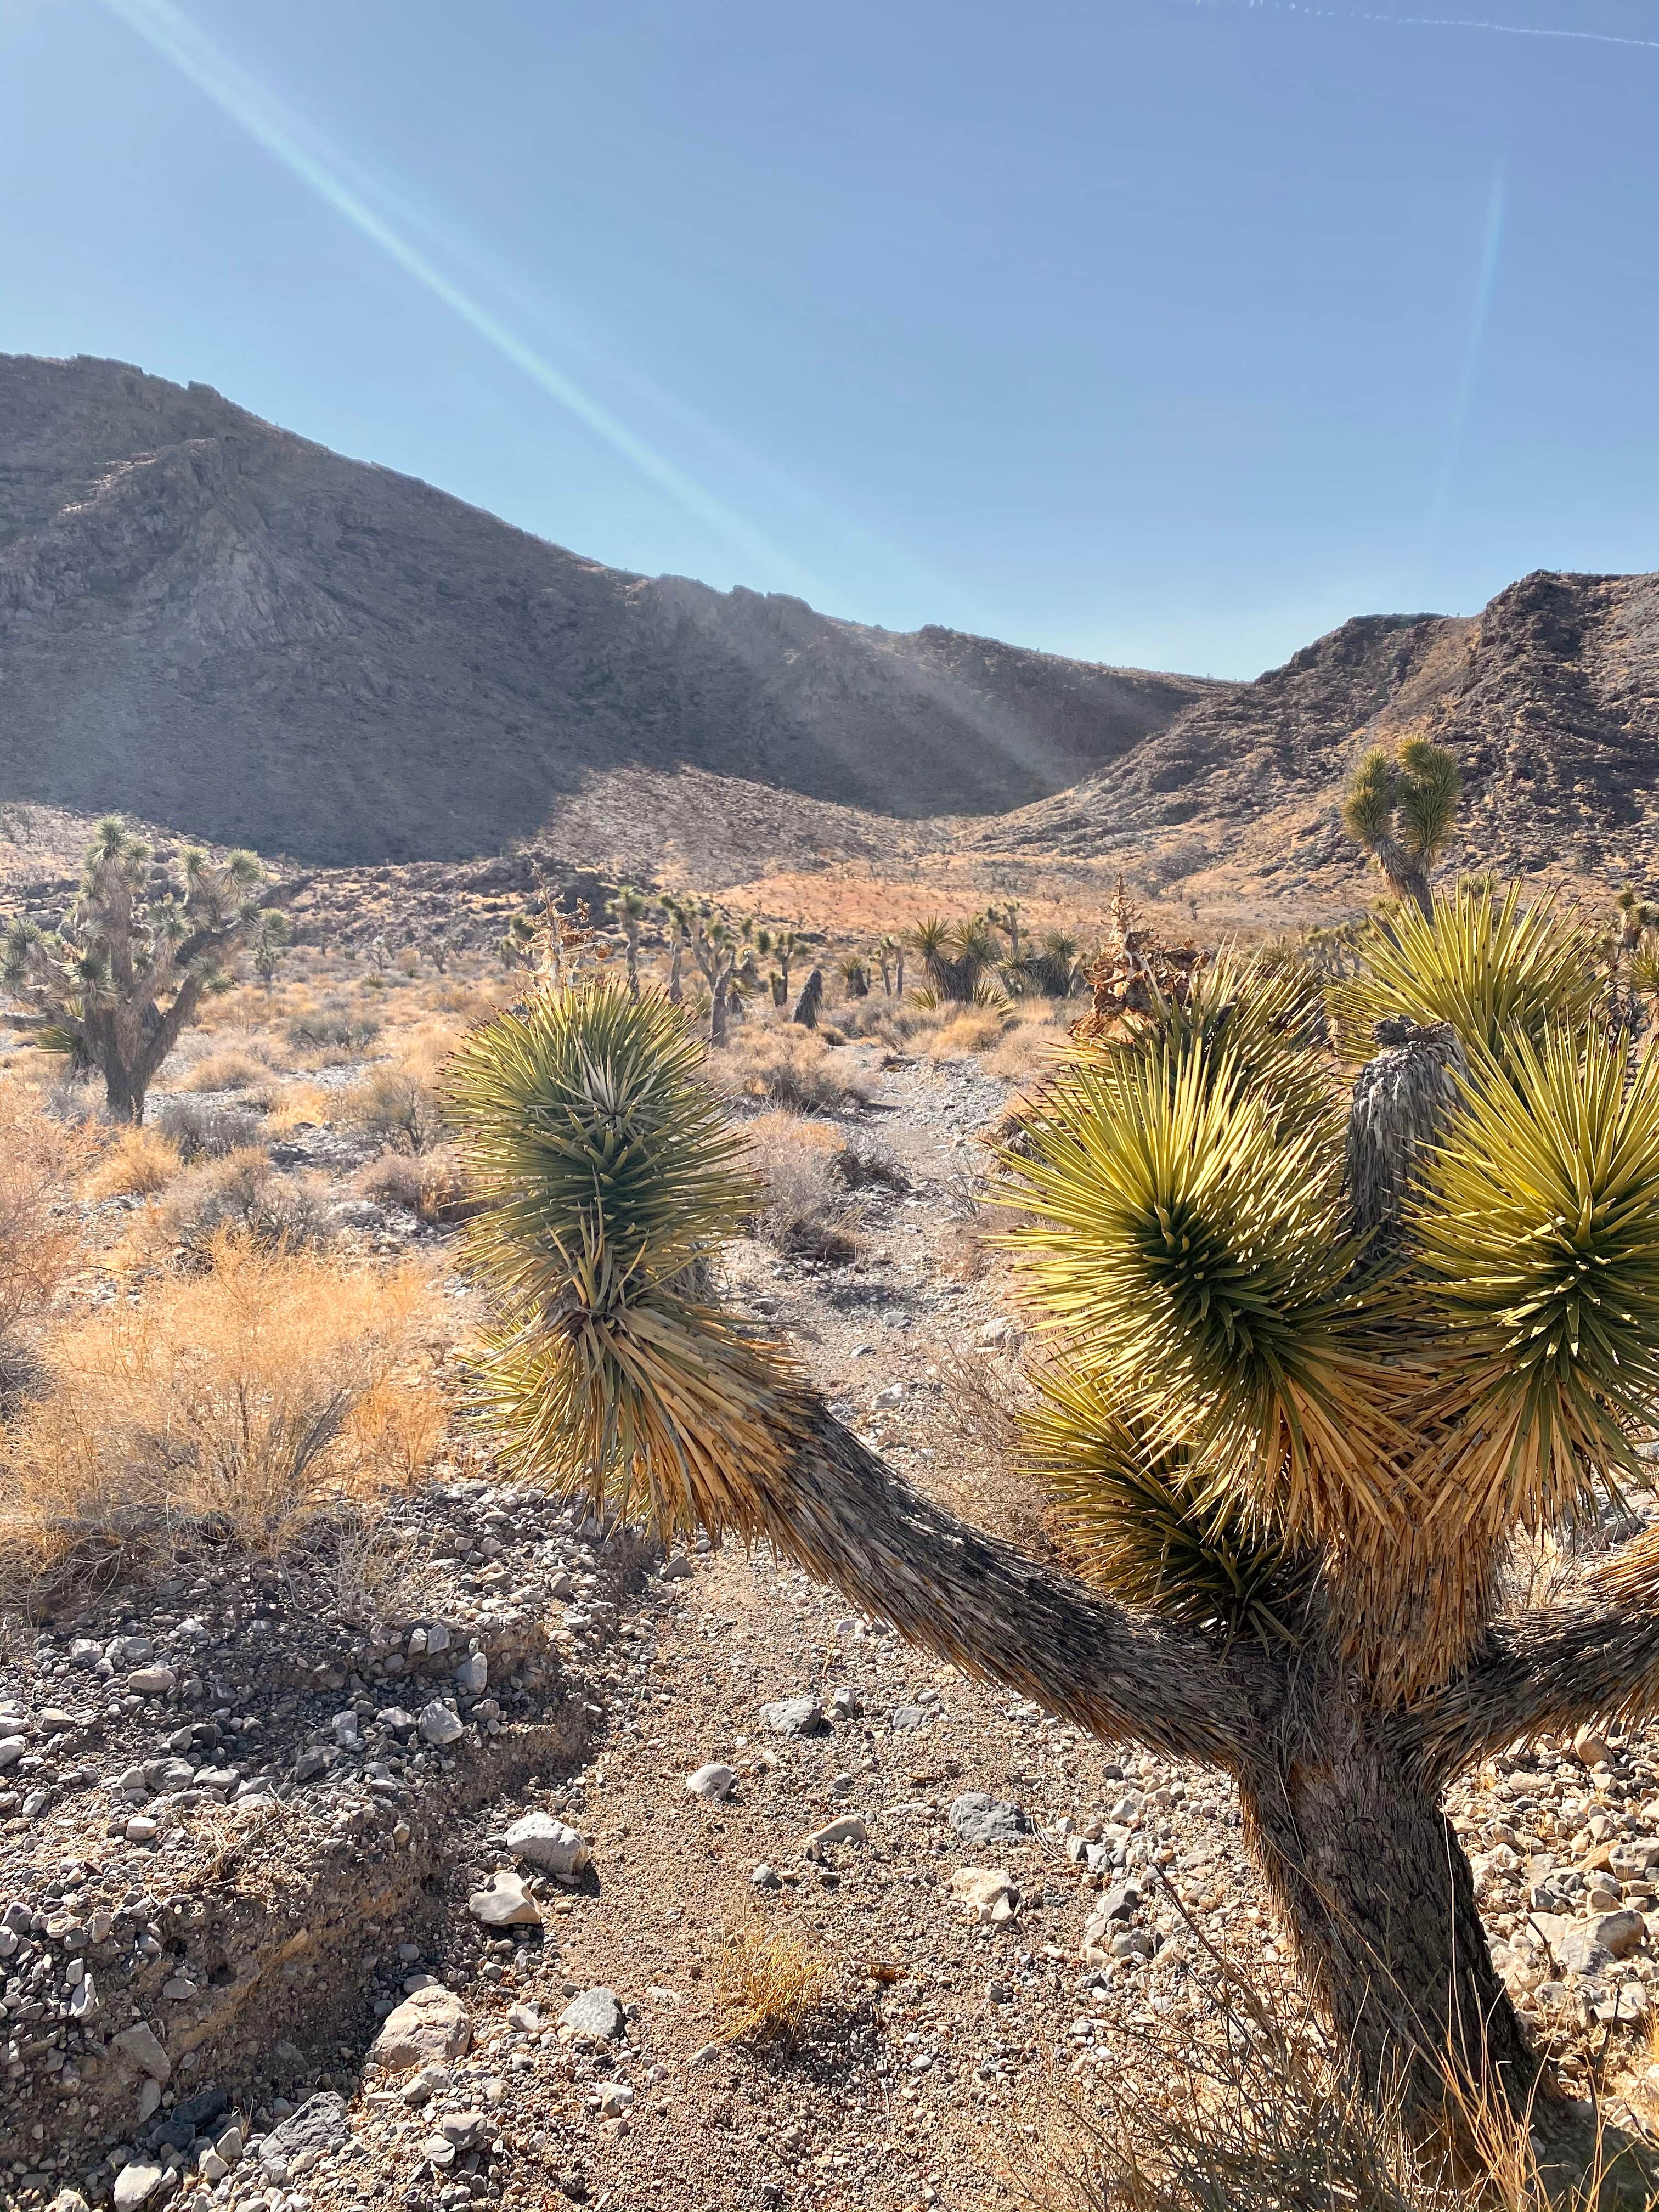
953,1589
1593,1652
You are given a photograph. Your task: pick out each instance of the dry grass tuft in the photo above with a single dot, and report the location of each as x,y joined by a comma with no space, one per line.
429,1185
291,1106
248,1394
978,1030
768,1987
204,1129
787,1066
135,1164
796,1160
227,1071
1253,2111
41,1158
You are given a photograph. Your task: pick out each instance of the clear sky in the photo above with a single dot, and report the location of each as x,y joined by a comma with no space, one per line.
1160,331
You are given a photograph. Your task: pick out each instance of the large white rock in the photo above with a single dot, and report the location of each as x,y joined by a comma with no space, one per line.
505,1903
137,2183
549,1845
714,1781
423,2030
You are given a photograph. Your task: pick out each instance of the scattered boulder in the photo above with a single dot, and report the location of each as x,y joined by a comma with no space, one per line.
845,1828
424,2030
794,1716
505,1903
714,1781
137,2182
1113,1911
978,1818
549,1845
597,2012
300,2142
140,2041
1591,1944
441,1724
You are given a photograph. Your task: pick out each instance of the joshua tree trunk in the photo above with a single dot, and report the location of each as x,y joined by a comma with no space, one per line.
719,1009
1375,1889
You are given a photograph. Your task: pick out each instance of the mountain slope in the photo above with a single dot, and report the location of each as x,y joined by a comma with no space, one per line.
1550,698
211,622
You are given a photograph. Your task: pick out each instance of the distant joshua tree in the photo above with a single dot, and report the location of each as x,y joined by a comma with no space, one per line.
267,943
1403,810
630,908
114,985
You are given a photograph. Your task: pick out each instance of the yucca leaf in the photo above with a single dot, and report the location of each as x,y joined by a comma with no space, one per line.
1147,1524
1191,1249
1493,969
1537,1233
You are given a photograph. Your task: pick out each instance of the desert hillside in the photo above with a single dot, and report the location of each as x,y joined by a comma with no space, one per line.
210,622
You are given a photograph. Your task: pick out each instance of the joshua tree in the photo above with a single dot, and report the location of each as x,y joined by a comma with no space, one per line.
267,942
717,948
117,982
519,942
1318,1376
786,945
1403,811
1007,919
630,908
810,1004
1052,968
854,977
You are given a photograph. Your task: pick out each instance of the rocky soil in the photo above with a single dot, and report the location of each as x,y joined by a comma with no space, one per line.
423,1863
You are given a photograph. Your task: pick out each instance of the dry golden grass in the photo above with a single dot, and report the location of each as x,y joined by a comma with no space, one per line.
249,1392
397,1103
977,1028
768,1985
135,1164
786,1065
226,1071
796,1161
1251,2110
41,1158
296,1105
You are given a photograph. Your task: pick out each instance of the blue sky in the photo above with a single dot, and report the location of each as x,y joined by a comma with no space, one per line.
1161,331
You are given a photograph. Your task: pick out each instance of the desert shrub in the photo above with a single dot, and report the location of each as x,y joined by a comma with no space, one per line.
396,1104
246,1394
294,1105
204,1130
241,1193
769,1985
429,1185
135,1164
786,1065
796,1161
978,1030
39,1159
331,1029
227,1071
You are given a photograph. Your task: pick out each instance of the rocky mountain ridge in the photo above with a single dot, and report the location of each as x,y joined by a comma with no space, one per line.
207,621
213,624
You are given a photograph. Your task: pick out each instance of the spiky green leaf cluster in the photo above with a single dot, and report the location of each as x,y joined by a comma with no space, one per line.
609,1171
1497,971
1187,1241
1148,1525
1537,1237
585,1123
1408,801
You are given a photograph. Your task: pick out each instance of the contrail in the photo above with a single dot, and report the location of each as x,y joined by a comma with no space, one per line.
291,142
1479,315
1436,22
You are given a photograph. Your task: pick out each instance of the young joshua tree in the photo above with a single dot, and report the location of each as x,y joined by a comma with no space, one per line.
1321,1369
630,908
1403,811
115,985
